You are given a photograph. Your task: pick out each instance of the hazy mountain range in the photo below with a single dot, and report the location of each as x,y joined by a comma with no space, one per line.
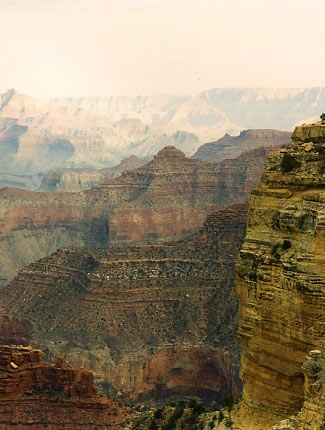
97,132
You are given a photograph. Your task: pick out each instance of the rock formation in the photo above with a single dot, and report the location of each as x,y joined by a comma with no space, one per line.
65,179
281,284
36,136
169,197
37,395
232,146
153,322
311,416
98,132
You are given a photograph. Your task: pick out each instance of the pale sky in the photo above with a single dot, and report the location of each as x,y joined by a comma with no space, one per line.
57,48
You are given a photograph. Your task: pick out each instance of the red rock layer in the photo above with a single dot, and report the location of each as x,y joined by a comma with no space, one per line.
38,395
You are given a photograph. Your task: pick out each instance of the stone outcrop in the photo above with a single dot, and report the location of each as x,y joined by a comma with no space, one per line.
229,147
153,322
38,395
281,283
167,198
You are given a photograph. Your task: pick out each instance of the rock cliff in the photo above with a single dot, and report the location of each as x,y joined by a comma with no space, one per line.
168,197
281,284
232,146
37,395
153,322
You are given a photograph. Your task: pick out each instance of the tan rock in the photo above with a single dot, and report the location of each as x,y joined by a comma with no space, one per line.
281,287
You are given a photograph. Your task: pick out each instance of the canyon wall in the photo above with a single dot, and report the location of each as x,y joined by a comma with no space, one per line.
37,395
281,283
64,179
233,146
153,322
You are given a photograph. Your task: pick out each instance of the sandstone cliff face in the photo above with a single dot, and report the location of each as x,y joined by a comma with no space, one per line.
153,322
232,146
169,197
37,395
280,278
311,416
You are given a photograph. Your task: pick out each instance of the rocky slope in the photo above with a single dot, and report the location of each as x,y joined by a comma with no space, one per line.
37,395
153,322
13,331
167,198
233,146
281,286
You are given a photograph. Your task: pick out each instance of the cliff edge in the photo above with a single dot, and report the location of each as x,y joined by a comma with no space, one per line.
281,286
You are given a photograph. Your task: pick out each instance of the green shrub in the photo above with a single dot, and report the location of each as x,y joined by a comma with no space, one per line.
153,425
158,414
289,163
220,416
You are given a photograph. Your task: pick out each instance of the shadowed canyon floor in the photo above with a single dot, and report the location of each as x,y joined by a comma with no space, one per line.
152,322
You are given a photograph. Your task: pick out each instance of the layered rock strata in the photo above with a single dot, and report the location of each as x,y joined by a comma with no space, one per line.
311,416
64,179
152,322
167,198
38,395
229,147
280,277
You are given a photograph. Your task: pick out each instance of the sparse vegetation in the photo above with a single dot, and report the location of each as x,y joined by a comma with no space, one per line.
180,416
228,422
289,163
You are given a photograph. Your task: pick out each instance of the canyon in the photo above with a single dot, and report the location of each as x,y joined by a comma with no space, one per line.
167,198
280,284
158,321
37,136
154,322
